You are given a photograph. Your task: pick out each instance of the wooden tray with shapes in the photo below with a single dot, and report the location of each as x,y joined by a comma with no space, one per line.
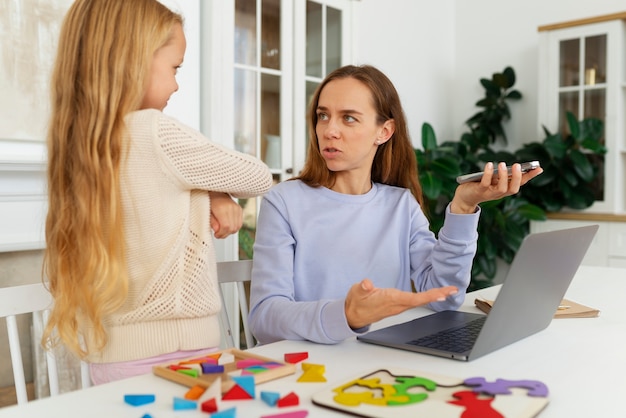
273,370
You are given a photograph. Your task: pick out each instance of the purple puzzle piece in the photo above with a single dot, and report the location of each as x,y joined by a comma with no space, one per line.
501,386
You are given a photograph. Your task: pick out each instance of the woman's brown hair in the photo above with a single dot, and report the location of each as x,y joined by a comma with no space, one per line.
394,163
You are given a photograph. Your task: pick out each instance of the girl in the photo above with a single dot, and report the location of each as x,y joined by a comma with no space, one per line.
346,243
130,256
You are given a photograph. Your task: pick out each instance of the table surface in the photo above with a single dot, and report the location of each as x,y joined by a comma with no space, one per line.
580,360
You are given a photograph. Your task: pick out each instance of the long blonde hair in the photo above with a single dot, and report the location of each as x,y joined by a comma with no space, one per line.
395,162
101,71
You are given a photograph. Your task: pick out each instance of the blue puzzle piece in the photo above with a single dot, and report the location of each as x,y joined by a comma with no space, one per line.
138,400
501,386
270,398
227,413
184,404
246,383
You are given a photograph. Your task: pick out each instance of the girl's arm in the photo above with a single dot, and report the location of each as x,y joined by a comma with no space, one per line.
198,163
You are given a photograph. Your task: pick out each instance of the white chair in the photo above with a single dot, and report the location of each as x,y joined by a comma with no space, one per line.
232,276
29,299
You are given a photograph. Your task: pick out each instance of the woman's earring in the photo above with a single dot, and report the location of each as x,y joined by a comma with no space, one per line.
377,142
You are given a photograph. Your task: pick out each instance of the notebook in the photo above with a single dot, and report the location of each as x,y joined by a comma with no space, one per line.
538,278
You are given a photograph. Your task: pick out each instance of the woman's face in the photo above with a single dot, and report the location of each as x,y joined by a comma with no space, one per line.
347,129
165,63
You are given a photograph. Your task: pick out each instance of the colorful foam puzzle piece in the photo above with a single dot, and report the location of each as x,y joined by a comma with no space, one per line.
227,413
502,386
195,392
139,399
181,404
296,357
236,393
474,407
291,399
270,398
293,414
246,383
209,406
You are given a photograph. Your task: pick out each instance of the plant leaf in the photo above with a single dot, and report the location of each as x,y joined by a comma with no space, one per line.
429,140
582,166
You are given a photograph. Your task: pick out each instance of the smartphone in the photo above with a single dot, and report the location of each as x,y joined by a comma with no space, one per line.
531,165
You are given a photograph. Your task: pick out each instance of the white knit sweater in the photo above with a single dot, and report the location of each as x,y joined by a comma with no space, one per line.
173,299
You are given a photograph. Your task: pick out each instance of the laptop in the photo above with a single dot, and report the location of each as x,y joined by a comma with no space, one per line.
536,282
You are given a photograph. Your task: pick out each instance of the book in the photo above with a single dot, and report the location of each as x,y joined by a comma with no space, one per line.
567,309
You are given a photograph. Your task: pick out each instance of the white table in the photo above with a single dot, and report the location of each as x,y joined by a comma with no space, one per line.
582,361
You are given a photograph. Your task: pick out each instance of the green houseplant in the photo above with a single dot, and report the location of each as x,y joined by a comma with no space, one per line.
567,181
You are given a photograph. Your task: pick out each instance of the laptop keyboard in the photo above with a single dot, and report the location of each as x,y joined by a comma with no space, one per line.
455,340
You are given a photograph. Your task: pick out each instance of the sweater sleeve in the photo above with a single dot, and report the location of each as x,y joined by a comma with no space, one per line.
449,261
198,163
274,313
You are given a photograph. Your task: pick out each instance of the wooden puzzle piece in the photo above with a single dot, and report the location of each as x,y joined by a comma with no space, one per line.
291,399
227,413
195,392
246,383
139,399
181,404
236,393
404,397
296,357
474,407
270,398
502,386
209,406
376,393
312,373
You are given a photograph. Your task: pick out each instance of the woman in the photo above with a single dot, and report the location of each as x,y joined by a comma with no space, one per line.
346,243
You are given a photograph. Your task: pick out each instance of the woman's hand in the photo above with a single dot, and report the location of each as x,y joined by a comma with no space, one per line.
467,196
366,304
226,215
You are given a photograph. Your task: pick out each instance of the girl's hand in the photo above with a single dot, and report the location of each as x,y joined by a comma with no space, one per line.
226,215
467,196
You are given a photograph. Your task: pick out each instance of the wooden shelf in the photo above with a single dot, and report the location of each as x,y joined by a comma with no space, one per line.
586,216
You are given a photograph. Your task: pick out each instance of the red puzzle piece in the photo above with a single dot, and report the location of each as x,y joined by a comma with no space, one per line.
209,406
296,357
474,407
236,393
291,399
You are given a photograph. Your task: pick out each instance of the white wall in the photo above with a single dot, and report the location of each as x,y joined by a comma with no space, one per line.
436,52
413,43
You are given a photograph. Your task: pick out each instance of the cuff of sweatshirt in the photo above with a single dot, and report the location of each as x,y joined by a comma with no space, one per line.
461,226
335,323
